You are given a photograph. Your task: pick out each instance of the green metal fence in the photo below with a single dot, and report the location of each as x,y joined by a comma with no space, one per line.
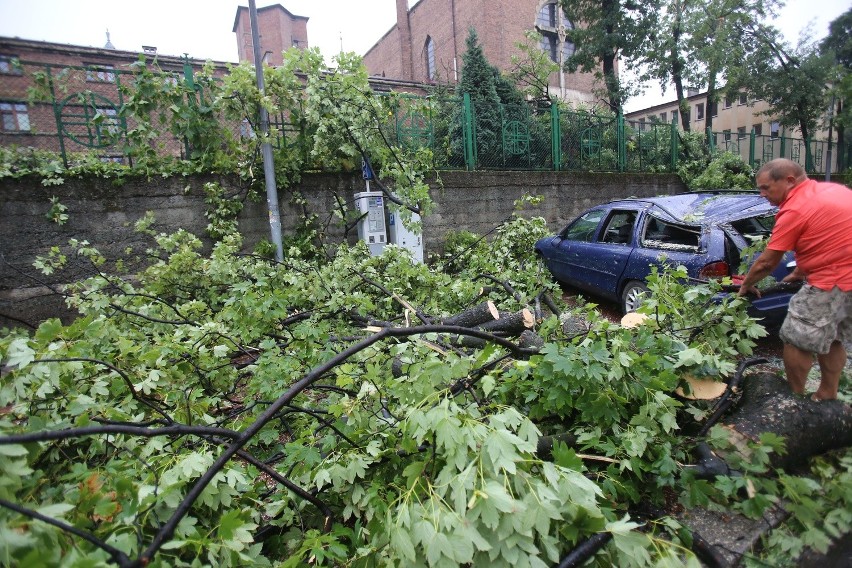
80,109
757,149
544,136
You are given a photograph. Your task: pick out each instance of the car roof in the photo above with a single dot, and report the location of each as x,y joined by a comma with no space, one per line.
702,208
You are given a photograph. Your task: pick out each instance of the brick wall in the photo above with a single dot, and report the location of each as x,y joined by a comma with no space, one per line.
500,25
103,214
279,30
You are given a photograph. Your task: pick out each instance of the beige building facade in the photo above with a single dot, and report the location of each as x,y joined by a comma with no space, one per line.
736,115
742,126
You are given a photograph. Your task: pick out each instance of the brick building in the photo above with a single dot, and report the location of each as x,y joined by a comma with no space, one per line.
79,93
428,40
279,30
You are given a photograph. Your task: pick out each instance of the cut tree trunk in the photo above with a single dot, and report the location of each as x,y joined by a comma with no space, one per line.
479,314
809,428
512,325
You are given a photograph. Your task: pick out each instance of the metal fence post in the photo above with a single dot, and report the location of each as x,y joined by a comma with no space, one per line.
751,145
783,145
467,133
555,136
621,138
56,115
189,81
674,145
809,160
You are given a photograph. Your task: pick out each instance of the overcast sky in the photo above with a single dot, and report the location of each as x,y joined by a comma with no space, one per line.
202,28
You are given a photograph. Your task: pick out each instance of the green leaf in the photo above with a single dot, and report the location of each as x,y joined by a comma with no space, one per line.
55,510
20,354
13,450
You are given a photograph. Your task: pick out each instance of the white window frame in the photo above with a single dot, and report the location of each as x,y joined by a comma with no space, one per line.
14,116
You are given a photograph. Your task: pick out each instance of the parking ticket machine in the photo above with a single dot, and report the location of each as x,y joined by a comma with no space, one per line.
371,226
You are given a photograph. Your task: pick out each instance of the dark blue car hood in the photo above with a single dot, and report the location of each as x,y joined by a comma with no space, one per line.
700,208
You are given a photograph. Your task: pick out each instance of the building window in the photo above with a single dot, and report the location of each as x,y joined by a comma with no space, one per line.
9,65
430,58
662,117
674,116
100,74
14,117
728,102
699,111
757,129
642,124
743,99
714,109
552,24
726,134
108,122
741,132
774,128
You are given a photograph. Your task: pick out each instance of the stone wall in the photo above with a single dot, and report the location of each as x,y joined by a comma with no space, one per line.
103,213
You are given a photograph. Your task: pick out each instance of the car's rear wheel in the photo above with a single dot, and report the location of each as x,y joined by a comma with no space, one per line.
634,294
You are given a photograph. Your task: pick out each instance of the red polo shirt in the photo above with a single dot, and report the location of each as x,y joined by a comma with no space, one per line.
815,221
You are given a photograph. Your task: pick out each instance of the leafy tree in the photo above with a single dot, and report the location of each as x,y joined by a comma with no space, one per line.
532,67
839,42
725,171
698,44
608,33
792,80
224,409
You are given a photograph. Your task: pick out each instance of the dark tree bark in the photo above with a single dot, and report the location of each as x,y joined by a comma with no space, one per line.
479,314
809,428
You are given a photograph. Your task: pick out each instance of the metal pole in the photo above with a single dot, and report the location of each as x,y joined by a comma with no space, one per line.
266,148
828,155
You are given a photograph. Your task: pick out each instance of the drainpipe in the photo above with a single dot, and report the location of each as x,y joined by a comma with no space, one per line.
405,48
455,41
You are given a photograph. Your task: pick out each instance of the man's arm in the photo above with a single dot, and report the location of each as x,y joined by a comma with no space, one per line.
765,263
797,275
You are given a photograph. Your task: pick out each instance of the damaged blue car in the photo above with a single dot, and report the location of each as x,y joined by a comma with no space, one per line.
609,250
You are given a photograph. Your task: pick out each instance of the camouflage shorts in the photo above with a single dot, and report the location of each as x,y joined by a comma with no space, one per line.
816,318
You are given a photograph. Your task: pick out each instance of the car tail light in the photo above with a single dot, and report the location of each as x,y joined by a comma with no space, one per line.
715,270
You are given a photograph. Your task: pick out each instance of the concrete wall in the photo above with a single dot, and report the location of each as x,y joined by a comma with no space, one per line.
103,214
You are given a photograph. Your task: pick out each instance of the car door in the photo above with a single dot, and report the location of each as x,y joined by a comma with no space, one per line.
595,249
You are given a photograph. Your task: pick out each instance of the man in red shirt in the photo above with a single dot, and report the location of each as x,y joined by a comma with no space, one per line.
814,220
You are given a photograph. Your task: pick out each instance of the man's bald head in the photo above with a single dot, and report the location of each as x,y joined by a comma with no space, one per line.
781,168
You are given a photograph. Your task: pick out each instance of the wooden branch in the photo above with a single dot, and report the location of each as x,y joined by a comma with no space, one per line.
506,286
472,317
512,324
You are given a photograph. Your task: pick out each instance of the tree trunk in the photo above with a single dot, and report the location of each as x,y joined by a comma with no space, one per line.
512,324
809,428
479,314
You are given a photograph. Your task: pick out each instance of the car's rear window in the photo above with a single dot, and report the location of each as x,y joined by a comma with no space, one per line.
667,236
755,227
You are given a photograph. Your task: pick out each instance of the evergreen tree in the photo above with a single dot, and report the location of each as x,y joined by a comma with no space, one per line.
489,91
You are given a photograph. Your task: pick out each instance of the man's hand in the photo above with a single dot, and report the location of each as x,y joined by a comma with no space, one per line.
765,263
796,276
748,290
